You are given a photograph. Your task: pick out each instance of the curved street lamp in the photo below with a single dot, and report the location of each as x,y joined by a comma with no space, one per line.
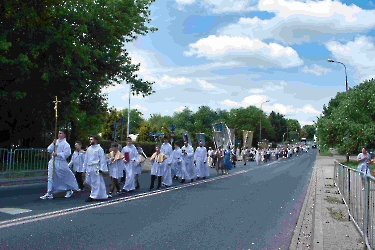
260,130
346,75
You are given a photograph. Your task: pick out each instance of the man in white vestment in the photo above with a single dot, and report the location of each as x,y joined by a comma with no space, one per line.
60,177
166,149
175,161
95,164
131,161
189,160
76,163
200,159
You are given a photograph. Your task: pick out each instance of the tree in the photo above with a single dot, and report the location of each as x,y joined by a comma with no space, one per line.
310,130
279,124
350,124
70,49
113,116
144,132
136,119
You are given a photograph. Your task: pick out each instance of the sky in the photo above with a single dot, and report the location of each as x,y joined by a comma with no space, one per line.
229,54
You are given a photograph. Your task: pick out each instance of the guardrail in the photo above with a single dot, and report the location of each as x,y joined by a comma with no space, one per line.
358,189
23,160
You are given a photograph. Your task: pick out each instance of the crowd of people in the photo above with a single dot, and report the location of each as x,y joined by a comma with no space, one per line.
124,165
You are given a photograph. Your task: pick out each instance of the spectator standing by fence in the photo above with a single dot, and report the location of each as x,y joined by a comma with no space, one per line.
363,160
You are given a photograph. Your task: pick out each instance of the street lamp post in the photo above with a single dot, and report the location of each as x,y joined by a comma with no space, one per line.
346,75
260,129
128,131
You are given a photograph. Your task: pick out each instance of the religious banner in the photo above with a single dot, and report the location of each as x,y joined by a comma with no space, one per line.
247,138
233,135
201,137
186,137
222,135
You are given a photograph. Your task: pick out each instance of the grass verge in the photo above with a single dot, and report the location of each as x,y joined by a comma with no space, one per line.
338,215
325,152
333,200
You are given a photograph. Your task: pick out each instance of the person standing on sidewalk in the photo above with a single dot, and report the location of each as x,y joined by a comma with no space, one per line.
116,166
363,160
131,160
60,178
77,162
95,164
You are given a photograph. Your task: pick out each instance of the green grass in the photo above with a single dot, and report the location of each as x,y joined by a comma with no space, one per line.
338,215
333,200
325,152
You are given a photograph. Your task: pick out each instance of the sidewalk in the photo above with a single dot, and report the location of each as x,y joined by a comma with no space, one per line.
40,180
324,221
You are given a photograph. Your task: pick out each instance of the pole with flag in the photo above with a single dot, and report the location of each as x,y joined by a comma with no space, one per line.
54,141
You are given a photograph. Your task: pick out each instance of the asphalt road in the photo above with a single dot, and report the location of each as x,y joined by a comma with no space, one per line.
255,207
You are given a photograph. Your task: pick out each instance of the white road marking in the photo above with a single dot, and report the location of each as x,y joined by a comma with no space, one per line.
14,211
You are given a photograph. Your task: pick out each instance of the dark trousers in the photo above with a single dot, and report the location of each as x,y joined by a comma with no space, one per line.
123,178
153,178
79,179
114,184
136,181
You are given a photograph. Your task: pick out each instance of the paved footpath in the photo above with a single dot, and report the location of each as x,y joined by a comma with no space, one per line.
316,228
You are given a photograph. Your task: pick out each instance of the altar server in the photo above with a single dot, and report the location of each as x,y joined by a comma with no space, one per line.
131,160
116,167
210,155
60,178
189,161
95,164
175,161
77,163
200,159
138,169
158,161
166,149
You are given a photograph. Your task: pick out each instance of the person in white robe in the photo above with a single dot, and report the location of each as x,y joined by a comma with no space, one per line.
60,177
175,161
200,159
158,160
131,161
166,149
76,164
209,157
138,169
258,156
189,161
116,166
95,164
185,161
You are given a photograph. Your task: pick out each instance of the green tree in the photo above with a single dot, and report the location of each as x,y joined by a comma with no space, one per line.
310,130
144,130
136,119
113,116
70,49
279,124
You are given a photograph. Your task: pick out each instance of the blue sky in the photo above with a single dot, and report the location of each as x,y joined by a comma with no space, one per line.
228,54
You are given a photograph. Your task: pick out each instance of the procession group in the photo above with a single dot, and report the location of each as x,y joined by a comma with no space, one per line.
125,165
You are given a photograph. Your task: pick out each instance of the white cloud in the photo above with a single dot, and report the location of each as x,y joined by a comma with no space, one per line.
360,54
308,109
139,107
302,21
253,100
242,49
316,70
126,97
177,80
112,88
205,84
181,108
227,6
303,123
256,91
168,99
230,103
279,108
223,6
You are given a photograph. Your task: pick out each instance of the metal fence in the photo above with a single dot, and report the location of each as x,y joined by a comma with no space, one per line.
23,160
358,189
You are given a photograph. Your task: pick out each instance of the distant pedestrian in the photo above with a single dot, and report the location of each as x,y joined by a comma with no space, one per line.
60,178
76,163
363,160
157,169
116,167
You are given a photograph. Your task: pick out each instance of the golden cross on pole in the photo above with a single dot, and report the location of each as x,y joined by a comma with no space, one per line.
55,146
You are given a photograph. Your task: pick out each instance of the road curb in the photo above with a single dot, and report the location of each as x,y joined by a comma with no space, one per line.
317,236
298,229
